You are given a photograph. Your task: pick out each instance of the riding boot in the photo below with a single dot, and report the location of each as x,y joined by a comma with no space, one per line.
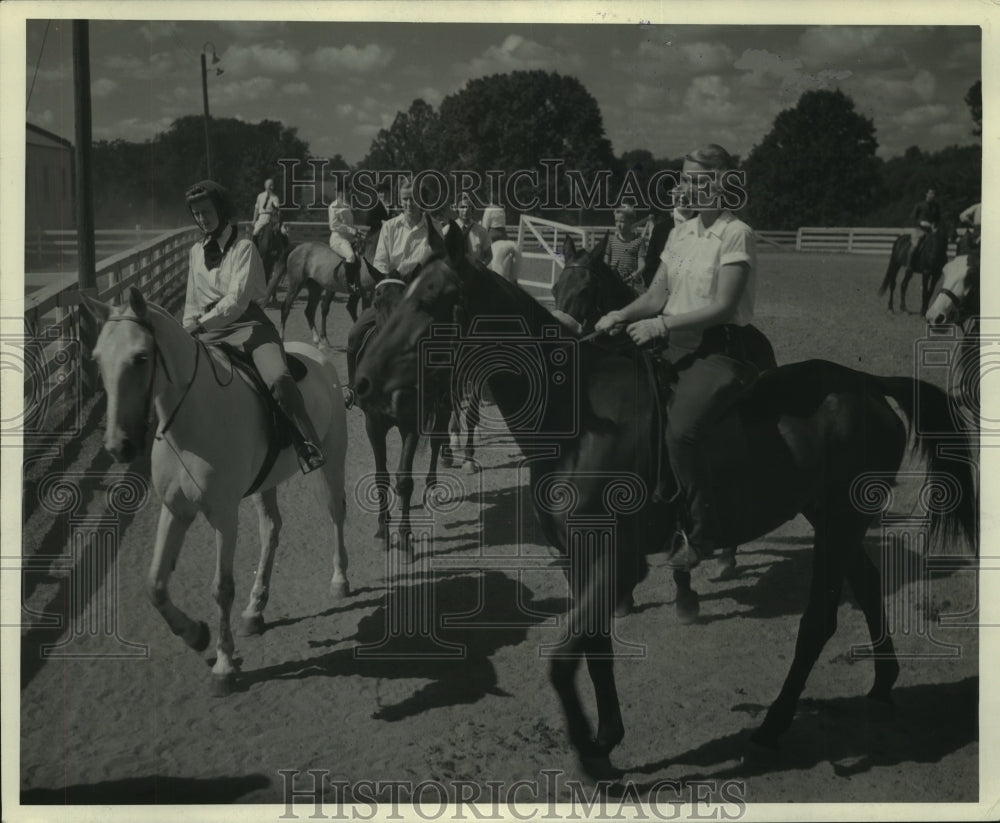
304,433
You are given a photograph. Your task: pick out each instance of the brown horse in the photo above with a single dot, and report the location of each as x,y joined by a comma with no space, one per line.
815,435
380,419
928,261
324,273
272,245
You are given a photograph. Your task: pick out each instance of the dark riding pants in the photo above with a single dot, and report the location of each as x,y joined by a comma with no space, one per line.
707,387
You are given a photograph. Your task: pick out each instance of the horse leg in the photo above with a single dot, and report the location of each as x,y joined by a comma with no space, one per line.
686,603
328,486
324,308
470,418
816,627
225,522
902,288
866,583
438,441
376,429
269,523
404,488
451,448
314,290
170,531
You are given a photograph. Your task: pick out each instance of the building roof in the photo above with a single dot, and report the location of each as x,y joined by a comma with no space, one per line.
45,133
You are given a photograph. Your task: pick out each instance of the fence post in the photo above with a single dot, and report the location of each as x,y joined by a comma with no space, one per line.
798,239
850,240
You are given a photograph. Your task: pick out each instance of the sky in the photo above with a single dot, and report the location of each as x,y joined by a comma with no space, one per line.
665,88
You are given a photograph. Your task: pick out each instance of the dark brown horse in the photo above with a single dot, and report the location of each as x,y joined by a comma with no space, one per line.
813,434
929,259
381,418
586,290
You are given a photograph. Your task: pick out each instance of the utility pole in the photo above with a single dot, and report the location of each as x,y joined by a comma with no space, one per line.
204,97
87,277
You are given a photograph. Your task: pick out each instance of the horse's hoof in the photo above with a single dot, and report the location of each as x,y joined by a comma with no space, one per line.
598,767
223,684
250,626
339,589
204,636
470,467
688,607
380,532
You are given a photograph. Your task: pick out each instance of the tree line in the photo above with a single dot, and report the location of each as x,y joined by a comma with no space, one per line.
816,166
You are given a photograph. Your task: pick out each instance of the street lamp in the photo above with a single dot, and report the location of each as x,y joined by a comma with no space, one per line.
204,97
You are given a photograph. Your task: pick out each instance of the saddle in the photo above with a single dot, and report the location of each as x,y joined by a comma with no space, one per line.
279,429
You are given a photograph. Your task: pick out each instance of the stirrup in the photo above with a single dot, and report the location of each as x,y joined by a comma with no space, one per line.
349,398
310,457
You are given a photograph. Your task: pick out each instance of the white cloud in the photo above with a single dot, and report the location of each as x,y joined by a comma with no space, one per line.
333,59
517,53
923,115
768,71
44,118
899,88
241,60
241,91
103,86
825,45
253,30
708,57
158,30
295,89
134,129
430,95
366,129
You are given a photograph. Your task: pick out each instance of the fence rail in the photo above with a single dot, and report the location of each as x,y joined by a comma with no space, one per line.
858,240
157,266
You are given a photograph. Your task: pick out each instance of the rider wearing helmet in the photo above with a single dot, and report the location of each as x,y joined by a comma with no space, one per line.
224,290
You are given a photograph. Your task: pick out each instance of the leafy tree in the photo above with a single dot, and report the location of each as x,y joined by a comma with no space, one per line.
817,166
974,100
409,144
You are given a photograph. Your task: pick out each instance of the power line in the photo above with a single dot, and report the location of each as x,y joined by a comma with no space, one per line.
38,63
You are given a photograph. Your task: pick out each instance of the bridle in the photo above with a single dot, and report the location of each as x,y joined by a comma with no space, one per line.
158,358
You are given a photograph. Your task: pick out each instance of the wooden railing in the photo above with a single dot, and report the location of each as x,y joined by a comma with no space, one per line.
858,240
158,267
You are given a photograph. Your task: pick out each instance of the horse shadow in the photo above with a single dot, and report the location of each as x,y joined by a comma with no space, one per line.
927,723
441,629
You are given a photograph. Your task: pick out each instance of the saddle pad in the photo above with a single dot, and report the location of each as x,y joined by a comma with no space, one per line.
297,367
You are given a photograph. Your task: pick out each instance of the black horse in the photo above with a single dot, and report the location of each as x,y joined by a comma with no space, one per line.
381,418
586,290
928,260
812,435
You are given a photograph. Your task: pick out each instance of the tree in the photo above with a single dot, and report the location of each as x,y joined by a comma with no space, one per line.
817,165
974,100
409,144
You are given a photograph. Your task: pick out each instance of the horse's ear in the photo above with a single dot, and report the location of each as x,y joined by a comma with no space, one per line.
434,237
597,253
136,302
100,311
373,273
454,242
569,249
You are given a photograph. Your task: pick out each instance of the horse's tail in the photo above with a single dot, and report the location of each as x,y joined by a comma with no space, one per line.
894,264
280,267
950,492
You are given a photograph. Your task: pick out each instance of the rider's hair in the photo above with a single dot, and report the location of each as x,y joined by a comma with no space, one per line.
712,156
212,191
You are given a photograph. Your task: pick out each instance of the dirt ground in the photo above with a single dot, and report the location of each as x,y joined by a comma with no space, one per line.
353,689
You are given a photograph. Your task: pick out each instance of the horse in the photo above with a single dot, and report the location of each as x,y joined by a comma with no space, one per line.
322,271
928,260
380,419
210,448
585,291
813,434
272,245
957,303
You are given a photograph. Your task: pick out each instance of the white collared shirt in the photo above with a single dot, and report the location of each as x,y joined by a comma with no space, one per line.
695,254
401,246
220,296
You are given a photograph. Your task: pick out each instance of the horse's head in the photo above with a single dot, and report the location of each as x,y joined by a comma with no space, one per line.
587,288
126,355
389,292
391,371
958,294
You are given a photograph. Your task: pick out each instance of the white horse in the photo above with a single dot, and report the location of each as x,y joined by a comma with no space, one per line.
209,447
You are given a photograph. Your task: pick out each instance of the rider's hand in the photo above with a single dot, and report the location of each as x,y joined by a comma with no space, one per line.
645,331
611,323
